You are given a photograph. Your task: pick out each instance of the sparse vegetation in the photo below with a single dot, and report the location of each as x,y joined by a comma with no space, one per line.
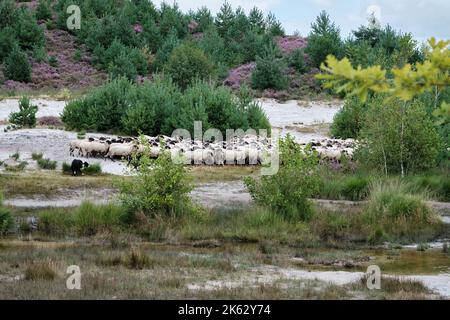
26,116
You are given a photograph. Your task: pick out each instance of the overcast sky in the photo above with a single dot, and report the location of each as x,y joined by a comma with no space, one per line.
423,18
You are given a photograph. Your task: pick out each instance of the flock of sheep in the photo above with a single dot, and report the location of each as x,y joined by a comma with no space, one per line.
247,150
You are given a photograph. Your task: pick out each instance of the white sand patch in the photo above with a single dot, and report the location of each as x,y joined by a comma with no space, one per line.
300,114
46,108
269,274
54,144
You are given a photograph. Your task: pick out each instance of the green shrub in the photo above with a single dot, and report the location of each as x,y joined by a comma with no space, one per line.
348,122
161,188
39,54
46,164
55,222
102,108
29,33
8,42
66,168
26,116
269,73
43,10
287,192
17,67
392,147
187,63
37,156
93,169
53,61
345,187
323,40
91,219
297,60
6,219
399,214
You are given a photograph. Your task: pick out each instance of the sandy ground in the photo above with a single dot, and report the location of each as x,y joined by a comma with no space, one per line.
269,274
54,144
303,120
46,108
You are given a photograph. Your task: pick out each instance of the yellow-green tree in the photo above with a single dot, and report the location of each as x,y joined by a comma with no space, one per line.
404,83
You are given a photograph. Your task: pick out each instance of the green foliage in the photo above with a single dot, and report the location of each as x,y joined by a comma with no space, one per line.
90,219
297,60
345,187
324,39
103,108
43,10
286,193
348,122
46,164
374,45
159,107
26,116
8,42
55,222
17,67
37,156
269,72
187,63
165,51
161,188
398,139
53,61
397,213
93,169
28,32
6,219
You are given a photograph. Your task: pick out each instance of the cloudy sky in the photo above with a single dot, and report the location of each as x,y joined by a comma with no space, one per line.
423,18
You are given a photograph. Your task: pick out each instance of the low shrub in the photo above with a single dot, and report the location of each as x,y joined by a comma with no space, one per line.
55,222
90,219
43,10
6,219
344,187
397,213
161,188
287,192
41,270
297,61
349,120
26,116
37,156
66,168
46,164
92,170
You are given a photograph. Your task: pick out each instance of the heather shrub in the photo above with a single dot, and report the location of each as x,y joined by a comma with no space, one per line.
17,66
